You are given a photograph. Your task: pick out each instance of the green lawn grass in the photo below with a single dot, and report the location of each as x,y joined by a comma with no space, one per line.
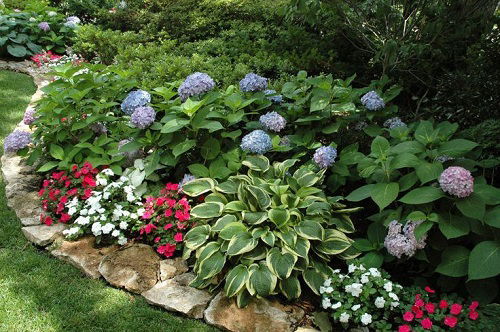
41,293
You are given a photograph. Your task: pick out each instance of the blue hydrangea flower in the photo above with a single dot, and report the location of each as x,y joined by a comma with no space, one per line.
98,128
253,82
372,101
29,116
325,156
195,84
143,117
272,121
73,19
272,96
44,26
258,141
394,123
186,179
16,140
134,99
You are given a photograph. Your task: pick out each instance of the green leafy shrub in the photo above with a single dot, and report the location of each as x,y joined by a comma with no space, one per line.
21,36
266,229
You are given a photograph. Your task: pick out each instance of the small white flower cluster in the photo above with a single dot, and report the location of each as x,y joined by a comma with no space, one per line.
360,297
111,211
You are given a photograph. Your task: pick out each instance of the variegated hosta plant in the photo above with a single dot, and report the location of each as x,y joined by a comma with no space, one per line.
263,232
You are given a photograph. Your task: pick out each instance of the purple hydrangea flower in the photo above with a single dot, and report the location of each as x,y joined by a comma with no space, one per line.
44,26
272,121
29,116
401,240
98,128
143,117
134,99
325,156
186,179
253,82
457,181
258,141
195,84
394,123
272,96
372,101
16,140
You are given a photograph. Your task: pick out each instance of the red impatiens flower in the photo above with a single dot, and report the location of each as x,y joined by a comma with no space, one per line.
443,304
473,314
419,303
168,226
450,321
426,324
65,218
72,192
429,290
430,307
172,186
48,221
455,309
168,213
408,316
157,239
419,314
87,193
147,228
474,305
178,237
41,192
167,250
404,328
181,215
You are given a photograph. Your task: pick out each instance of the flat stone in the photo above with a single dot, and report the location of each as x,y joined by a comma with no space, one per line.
175,295
83,254
306,329
134,268
170,268
30,221
260,315
43,235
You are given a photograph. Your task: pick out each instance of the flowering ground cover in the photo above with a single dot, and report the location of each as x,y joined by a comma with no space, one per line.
37,290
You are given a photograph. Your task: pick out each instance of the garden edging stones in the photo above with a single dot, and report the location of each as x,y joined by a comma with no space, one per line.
135,267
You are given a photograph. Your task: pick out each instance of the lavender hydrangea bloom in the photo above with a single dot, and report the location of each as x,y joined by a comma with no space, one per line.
256,142
457,181
186,179
253,82
401,240
29,116
394,123
71,25
372,101
143,117
272,121
73,19
272,96
134,99
44,26
16,141
195,84
98,128
325,156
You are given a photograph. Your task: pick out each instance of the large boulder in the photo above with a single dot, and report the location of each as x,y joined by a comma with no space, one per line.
134,268
260,315
83,254
43,235
175,295
170,268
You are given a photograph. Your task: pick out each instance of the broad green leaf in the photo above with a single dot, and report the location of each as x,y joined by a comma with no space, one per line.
489,194
231,229
47,166
407,181
257,163
207,210
454,262
56,151
199,170
429,171
210,149
404,160
408,147
279,216
472,206
313,279
311,230
290,287
235,280
425,133
196,237
380,146
372,259
361,193
241,243
183,147
384,194
261,282
363,245
280,264
492,217
198,186
453,226
456,147
422,195
174,125
483,260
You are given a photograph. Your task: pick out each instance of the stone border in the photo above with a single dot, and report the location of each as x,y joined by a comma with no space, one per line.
135,267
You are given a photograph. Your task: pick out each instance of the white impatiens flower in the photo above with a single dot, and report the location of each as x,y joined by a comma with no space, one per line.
123,225
101,180
355,307
97,229
375,272
344,317
362,267
388,286
115,233
366,319
84,212
326,303
106,229
394,304
71,231
134,216
336,305
394,296
72,210
380,302
355,289
108,172
327,282
351,268
364,279
81,220
141,211
122,241
102,217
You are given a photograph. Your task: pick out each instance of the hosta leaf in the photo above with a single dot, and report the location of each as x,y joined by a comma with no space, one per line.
313,279
281,264
236,280
211,266
301,247
279,216
241,243
260,195
196,237
207,210
311,230
235,206
254,218
231,230
290,287
261,281
257,163
222,222
334,243
269,238
198,186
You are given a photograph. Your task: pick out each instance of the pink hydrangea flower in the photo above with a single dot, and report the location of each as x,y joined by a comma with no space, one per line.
457,181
